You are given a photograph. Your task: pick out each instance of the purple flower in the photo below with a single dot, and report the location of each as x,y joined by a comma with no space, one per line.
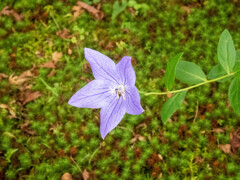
113,90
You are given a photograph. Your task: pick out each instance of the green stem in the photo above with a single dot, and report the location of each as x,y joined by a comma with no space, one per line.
188,88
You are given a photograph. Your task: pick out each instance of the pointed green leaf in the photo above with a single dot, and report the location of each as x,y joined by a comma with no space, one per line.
226,51
237,64
216,72
238,56
171,71
234,95
117,8
190,73
172,105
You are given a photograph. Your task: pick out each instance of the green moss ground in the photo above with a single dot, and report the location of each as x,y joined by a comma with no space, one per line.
61,138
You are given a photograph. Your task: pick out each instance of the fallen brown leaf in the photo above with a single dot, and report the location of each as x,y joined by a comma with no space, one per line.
16,80
49,64
94,11
69,51
131,10
110,45
28,95
66,176
137,137
235,140
187,9
25,128
159,176
19,80
3,75
24,125
56,56
27,73
77,10
51,73
226,148
73,151
85,174
218,130
64,34
141,125
10,12
10,110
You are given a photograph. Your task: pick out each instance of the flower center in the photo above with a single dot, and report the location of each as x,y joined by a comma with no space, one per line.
120,91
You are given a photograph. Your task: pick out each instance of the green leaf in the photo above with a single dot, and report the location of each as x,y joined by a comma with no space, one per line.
216,72
234,95
190,73
172,105
237,64
117,9
238,56
171,71
237,59
226,51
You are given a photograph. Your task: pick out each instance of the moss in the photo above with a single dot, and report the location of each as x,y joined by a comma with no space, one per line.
150,33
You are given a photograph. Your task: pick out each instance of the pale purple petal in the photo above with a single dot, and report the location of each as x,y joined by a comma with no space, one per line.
126,71
102,66
133,105
111,115
94,95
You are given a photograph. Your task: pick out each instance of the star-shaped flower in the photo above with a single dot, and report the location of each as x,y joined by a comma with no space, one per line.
113,90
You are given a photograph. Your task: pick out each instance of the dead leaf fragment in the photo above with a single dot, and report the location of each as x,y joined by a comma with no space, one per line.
69,51
64,34
235,140
10,12
16,80
110,45
226,148
2,75
77,10
51,73
169,95
26,74
159,176
187,9
73,151
199,160
218,130
66,176
137,137
10,110
56,56
141,125
19,80
85,174
28,95
49,64
97,14
25,128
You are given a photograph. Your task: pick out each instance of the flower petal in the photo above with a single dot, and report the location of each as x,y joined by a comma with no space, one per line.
133,105
126,71
94,95
111,115
102,66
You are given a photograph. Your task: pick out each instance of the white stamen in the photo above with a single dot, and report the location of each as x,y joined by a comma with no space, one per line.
119,91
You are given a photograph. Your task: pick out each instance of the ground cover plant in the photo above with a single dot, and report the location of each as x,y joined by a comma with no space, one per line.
42,65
